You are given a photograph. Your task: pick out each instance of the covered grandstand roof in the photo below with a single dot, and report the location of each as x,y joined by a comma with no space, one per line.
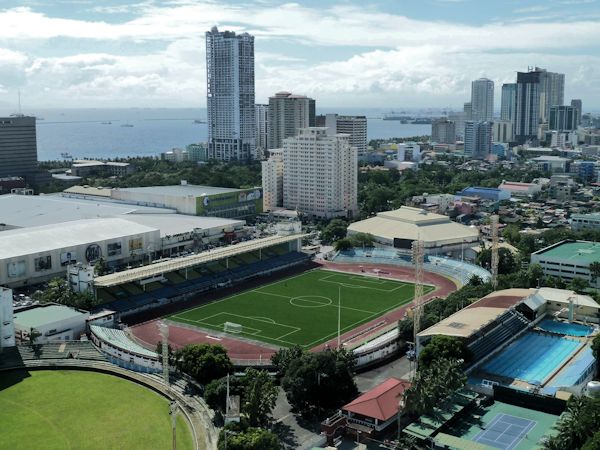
471,319
119,339
414,223
565,296
139,273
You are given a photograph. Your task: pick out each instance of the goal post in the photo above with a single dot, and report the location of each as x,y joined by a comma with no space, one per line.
232,327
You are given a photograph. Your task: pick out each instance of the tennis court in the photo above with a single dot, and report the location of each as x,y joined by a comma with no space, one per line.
505,432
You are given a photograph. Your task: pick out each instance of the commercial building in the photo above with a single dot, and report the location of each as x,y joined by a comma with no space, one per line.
408,151
561,188
288,113
578,105
568,260
585,221
502,131
354,126
192,152
478,139
52,322
196,200
482,100
484,193
262,129
401,227
553,164
443,131
459,123
272,180
552,92
85,168
527,112
7,324
230,95
517,189
563,118
508,102
320,174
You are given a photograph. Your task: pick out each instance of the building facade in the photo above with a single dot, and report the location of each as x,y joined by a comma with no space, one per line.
18,147
230,95
563,118
527,112
272,180
569,260
7,324
288,113
443,131
320,174
552,92
508,102
354,126
478,139
585,221
482,100
262,130
502,131
53,322
577,104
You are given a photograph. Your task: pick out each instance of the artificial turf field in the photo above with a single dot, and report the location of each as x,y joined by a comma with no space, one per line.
83,410
303,309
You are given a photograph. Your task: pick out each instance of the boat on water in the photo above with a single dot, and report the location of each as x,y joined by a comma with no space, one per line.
199,121
128,125
106,123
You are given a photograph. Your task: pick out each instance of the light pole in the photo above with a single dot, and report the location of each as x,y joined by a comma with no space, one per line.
173,410
339,316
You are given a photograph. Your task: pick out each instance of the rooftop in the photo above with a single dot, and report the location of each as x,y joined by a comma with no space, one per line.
46,314
119,339
381,402
550,158
173,224
577,252
89,190
182,190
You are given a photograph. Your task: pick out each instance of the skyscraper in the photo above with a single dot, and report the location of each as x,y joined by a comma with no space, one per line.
552,91
527,117
262,130
577,104
230,95
563,118
508,102
443,131
18,147
478,139
482,99
320,174
287,114
355,126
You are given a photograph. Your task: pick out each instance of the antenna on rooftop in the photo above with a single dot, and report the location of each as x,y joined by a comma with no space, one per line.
495,258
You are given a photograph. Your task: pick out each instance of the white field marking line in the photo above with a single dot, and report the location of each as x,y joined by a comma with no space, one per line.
265,319
274,295
355,286
284,335
258,320
312,301
368,279
363,320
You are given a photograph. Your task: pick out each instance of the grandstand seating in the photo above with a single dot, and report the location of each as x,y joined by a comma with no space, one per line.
69,349
506,326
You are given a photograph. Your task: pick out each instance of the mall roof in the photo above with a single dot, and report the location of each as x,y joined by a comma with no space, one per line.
23,211
173,224
381,402
43,315
140,273
181,190
576,252
37,240
413,224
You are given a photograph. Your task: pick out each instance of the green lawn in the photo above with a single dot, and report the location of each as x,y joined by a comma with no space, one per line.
303,309
83,410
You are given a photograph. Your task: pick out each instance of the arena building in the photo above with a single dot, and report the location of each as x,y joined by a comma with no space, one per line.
399,228
569,260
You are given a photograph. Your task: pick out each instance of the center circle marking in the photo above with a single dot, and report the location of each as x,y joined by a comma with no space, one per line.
310,301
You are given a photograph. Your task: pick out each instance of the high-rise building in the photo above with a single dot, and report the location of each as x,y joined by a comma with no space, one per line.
577,104
478,139
563,118
459,123
272,180
230,95
18,147
508,102
355,126
552,91
528,106
502,131
482,99
443,131
468,110
7,324
262,130
320,174
288,113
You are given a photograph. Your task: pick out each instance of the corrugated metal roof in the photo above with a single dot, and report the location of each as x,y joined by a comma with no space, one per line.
42,315
381,402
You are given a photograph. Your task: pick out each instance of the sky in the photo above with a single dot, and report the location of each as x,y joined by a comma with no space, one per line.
347,53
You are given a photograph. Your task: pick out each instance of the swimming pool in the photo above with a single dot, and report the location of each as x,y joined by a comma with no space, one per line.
533,357
569,329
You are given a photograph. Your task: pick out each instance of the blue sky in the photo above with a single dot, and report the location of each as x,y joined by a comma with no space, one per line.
382,53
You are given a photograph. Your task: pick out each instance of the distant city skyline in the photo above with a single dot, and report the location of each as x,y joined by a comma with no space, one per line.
74,53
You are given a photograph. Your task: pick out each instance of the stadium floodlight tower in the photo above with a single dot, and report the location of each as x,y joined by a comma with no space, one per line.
418,248
495,259
164,333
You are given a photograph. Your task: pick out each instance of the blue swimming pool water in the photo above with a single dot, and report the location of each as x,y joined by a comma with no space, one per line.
569,329
533,357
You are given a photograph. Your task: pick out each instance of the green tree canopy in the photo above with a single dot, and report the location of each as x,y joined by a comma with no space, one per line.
242,438
58,290
284,356
259,397
443,347
334,230
203,362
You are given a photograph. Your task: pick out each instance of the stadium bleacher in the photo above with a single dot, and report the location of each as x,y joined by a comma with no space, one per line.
492,337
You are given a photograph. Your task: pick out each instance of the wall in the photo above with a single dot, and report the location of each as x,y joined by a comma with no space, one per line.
7,326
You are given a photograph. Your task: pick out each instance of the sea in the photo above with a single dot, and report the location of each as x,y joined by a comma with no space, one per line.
134,132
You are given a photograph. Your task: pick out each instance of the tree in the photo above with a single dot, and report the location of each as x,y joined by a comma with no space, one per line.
101,268
203,362
362,240
33,336
215,392
579,285
444,347
596,350
319,382
343,244
506,260
260,395
247,439
577,426
59,291
283,357
594,271
335,230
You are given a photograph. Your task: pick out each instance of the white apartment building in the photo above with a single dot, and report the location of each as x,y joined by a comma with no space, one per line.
262,130
320,174
288,113
355,126
502,131
482,100
7,325
272,180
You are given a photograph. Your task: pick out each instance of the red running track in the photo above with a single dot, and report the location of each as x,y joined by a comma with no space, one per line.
148,334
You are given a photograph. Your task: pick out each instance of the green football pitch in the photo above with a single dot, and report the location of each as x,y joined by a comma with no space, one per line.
68,409
302,309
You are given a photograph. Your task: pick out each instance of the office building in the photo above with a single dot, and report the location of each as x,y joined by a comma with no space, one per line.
568,260
288,113
409,151
7,325
459,123
230,95
262,130
478,139
443,131
355,126
563,118
502,131
552,91
320,174
272,180
528,106
468,111
508,102
482,100
577,104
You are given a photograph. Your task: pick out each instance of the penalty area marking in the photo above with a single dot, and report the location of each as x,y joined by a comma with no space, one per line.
297,301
